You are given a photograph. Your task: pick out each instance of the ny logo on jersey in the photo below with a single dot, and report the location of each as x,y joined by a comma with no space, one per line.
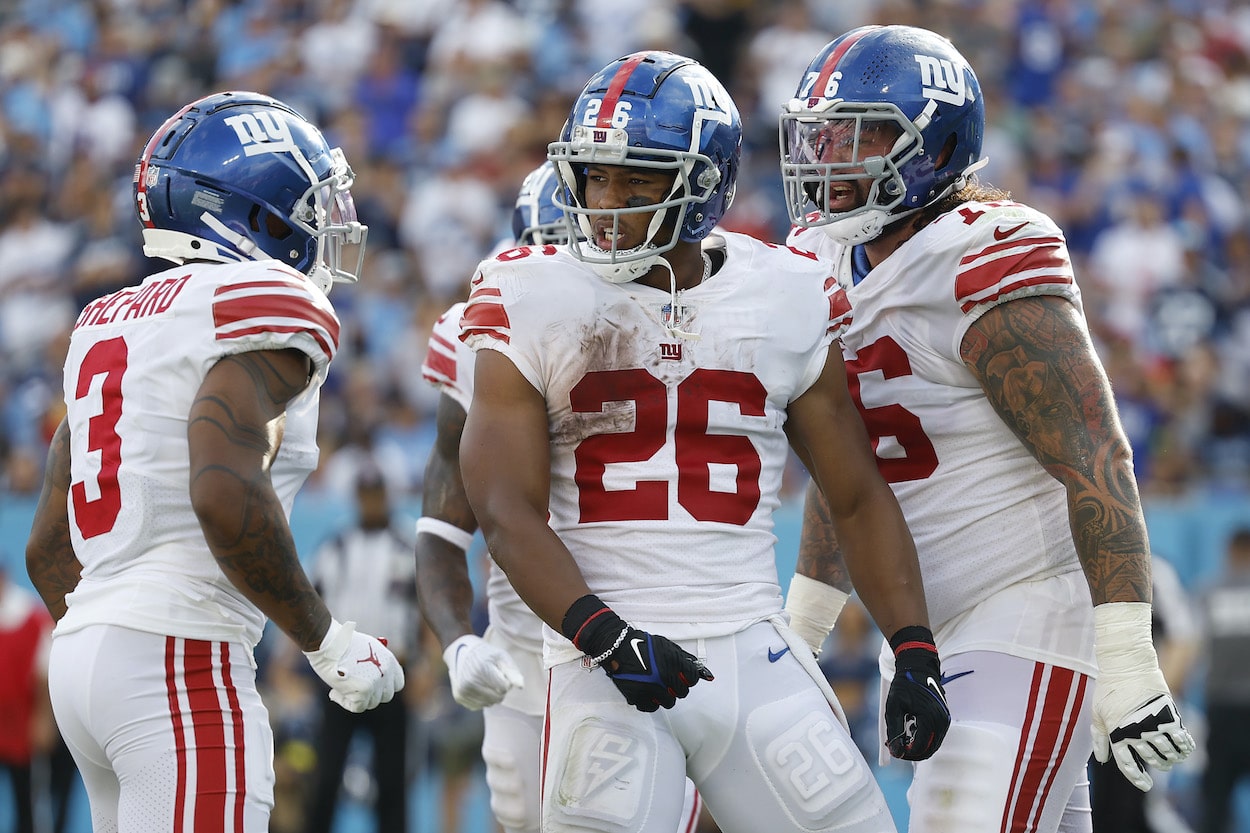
262,133
670,352
942,80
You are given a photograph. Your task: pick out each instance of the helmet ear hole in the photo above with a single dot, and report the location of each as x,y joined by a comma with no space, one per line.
275,227
944,155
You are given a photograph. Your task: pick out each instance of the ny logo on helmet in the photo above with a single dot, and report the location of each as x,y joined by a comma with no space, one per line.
942,80
262,132
707,93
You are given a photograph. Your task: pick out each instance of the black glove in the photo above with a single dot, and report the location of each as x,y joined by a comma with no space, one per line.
649,670
916,714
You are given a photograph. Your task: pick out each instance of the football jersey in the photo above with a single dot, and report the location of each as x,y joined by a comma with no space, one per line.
667,443
136,360
448,366
987,519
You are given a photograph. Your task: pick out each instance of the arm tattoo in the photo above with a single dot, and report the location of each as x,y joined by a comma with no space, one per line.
242,518
1038,369
53,568
444,585
820,556
444,496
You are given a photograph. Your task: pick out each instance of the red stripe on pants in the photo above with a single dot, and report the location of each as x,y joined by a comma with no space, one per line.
1044,739
180,738
236,719
208,728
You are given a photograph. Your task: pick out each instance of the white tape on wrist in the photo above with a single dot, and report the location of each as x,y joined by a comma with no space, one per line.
813,607
452,534
1122,638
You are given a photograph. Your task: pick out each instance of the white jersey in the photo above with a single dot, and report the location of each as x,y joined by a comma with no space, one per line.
448,366
667,450
137,358
989,522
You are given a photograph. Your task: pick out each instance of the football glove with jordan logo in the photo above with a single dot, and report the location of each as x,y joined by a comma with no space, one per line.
651,671
359,669
1135,718
916,714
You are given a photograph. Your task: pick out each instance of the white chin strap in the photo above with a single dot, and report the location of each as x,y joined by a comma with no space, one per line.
322,278
862,227
858,228
622,271
867,225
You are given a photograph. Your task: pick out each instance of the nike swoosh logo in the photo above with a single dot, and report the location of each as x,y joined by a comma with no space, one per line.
933,686
773,656
1003,234
633,643
946,679
477,280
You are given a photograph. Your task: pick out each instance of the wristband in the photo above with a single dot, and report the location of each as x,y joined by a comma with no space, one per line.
911,638
813,607
452,534
593,628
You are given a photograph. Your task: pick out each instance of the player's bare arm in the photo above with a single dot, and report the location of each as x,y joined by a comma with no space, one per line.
444,586
828,434
1038,368
50,561
234,431
505,459
820,557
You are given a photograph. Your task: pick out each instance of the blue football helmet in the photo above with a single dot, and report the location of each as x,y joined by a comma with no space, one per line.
537,220
910,81
241,176
650,110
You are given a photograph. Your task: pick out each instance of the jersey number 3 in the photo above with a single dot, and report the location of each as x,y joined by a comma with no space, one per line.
106,360
696,450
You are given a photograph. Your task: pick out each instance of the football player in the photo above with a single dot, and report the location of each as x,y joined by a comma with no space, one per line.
161,541
969,358
634,392
500,672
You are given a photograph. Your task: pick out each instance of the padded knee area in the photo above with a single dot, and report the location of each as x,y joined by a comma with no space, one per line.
964,786
810,761
513,795
606,780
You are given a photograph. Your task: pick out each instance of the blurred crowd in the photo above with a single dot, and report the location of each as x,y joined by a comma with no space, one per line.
1126,120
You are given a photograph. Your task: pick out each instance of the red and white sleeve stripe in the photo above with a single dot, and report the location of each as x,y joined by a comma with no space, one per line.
486,315
277,304
1001,269
439,367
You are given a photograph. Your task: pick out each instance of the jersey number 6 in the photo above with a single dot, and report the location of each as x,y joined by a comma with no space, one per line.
919,458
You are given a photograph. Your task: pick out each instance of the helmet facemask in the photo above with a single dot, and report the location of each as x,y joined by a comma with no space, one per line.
327,213
825,151
664,231
537,220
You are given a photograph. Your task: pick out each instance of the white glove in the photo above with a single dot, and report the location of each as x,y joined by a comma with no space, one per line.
360,670
1134,715
480,673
